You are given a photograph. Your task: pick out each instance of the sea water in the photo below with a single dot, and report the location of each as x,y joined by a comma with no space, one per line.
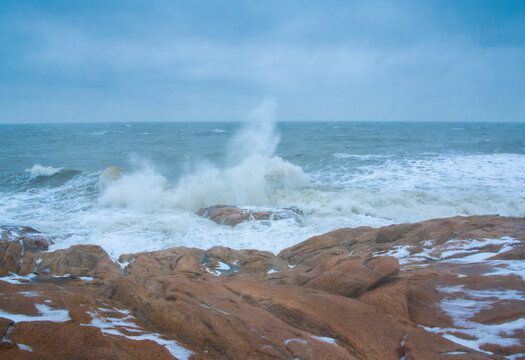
344,174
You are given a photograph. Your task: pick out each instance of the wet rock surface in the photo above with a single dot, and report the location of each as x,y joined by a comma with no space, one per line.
440,289
17,243
232,215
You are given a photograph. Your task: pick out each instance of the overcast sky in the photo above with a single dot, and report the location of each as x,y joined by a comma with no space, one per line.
109,60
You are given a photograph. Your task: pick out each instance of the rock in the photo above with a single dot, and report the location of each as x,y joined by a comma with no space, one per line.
108,176
67,343
31,239
232,216
391,297
361,293
319,248
346,275
436,231
18,243
518,253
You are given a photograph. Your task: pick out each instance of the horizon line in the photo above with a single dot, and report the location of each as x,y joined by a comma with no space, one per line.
277,121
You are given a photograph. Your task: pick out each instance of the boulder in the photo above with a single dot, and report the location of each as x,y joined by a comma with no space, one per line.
18,243
232,215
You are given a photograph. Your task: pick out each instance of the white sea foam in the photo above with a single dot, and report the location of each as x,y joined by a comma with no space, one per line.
17,279
143,211
111,325
254,175
255,181
99,133
465,252
357,156
45,314
25,347
325,339
151,206
274,182
39,170
495,172
471,302
300,341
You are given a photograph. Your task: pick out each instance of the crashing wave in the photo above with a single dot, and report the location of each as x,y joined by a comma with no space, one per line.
255,181
39,170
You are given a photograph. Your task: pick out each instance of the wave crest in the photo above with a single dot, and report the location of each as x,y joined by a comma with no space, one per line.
39,170
257,181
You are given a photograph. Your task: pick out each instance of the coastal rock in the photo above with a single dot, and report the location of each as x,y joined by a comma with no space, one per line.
346,275
413,237
18,243
232,215
31,239
108,176
439,289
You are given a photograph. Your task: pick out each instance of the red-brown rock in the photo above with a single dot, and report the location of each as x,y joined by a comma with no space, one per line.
232,215
341,295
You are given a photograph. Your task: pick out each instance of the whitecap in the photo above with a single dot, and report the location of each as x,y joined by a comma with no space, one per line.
39,170
357,156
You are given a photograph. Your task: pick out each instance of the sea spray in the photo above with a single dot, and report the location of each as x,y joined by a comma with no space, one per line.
253,176
256,181
379,176
143,190
257,135
109,175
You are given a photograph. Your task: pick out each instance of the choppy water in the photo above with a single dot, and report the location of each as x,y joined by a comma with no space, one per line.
338,174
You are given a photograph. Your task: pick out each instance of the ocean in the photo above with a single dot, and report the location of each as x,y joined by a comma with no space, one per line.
344,174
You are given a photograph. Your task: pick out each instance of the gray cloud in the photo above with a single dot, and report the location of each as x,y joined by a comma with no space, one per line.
343,61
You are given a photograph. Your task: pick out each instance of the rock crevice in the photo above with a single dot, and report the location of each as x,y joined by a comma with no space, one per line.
419,291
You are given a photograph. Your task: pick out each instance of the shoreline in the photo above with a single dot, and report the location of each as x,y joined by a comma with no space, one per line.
405,290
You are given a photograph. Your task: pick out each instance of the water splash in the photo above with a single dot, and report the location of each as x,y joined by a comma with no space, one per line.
254,176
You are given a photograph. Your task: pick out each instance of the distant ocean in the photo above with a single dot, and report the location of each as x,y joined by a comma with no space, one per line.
339,174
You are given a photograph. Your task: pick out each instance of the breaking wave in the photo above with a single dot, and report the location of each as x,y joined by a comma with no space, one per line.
257,181
38,176
39,170
151,205
255,176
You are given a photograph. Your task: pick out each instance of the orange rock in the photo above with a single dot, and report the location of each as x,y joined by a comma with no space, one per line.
344,299
232,215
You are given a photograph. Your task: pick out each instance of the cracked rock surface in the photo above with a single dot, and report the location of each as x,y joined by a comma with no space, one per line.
440,289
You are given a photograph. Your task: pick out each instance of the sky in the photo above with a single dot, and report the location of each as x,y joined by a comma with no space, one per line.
129,60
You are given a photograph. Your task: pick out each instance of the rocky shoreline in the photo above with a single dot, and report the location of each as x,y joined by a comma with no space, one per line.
449,288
